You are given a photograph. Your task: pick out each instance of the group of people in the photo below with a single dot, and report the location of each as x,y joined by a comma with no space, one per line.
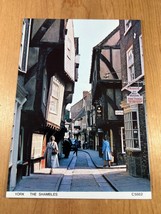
69,145
51,152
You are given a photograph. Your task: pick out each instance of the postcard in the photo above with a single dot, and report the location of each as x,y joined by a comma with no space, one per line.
80,122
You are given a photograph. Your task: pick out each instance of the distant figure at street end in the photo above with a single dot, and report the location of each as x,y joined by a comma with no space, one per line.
76,147
66,147
106,151
51,154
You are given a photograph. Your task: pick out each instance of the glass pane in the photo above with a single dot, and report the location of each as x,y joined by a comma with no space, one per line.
134,116
136,144
135,126
55,90
135,134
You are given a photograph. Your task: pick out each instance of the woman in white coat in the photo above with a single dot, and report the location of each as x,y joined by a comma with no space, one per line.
51,154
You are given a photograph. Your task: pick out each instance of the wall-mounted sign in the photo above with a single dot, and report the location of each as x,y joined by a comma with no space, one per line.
119,112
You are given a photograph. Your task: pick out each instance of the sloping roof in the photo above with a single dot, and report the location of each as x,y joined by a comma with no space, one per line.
108,37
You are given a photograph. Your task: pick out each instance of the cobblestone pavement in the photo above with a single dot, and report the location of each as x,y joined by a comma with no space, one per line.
82,176
119,178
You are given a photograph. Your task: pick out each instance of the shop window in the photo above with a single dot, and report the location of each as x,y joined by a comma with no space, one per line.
37,144
132,131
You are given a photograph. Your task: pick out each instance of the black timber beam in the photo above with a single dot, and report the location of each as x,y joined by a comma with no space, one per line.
41,31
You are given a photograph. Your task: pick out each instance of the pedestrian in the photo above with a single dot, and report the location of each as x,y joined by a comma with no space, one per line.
51,154
106,151
75,147
66,148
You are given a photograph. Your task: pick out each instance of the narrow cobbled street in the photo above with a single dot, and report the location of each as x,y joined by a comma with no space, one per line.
83,176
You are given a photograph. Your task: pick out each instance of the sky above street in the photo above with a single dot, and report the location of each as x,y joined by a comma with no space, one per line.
90,32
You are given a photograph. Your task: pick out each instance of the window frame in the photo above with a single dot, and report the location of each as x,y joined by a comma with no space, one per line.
54,98
130,131
141,54
37,145
24,46
123,141
45,87
130,65
20,146
127,28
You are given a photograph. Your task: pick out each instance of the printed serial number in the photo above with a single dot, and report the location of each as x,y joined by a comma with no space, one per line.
137,194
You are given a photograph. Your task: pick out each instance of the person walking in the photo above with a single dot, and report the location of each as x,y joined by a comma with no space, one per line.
66,148
51,154
106,151
76,147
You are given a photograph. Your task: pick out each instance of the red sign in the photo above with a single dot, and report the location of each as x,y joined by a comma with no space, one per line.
135,99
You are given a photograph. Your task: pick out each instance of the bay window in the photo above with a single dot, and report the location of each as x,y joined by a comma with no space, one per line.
53,108
132,130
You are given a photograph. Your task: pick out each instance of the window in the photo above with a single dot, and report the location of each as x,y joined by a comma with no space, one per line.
123,143
53,105
20,146
69,44
24,48
53,108
141,54
45,85
55,91
128,24
37,144
130,65
13,133
132,136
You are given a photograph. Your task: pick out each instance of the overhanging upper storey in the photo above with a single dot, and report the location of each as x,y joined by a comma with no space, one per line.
106,62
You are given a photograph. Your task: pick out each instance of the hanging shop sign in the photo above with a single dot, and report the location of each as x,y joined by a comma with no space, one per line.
134,97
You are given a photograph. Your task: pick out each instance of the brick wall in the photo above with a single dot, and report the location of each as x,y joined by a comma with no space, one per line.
137,162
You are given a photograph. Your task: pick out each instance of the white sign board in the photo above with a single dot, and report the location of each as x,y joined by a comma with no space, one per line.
119,112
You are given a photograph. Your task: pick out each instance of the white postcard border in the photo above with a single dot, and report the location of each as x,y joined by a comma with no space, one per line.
80,195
